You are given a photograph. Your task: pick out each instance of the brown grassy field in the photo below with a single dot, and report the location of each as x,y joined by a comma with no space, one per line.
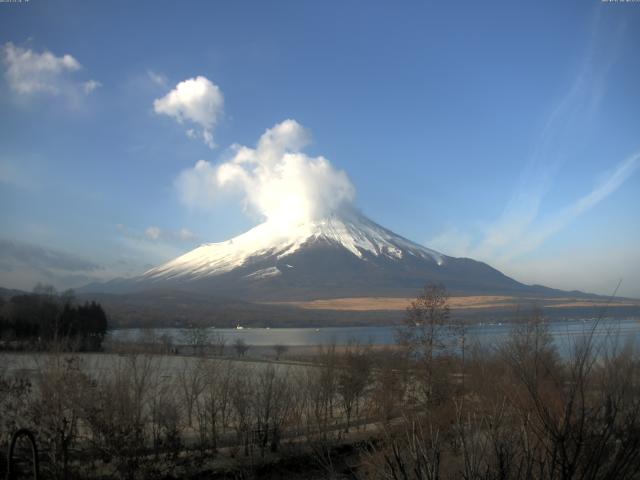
364,304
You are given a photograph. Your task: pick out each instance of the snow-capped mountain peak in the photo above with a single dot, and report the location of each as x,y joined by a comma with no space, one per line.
352,232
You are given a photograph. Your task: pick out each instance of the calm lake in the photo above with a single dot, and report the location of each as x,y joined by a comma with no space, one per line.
565,334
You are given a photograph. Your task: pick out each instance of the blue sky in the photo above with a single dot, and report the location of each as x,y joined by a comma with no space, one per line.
503,131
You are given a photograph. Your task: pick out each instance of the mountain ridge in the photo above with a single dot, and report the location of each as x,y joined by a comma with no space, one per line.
341,255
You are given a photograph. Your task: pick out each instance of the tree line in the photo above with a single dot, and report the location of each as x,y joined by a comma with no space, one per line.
34,320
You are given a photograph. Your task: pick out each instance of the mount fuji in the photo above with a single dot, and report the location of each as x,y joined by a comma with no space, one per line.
341,255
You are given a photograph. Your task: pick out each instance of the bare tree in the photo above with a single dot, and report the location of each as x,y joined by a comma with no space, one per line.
321,388
390,384
115,413
166,343
196,337
353,379
213,404
426,332
271,406
56,408
148,341
165,419
191,381
241,391
414,454
280,350
219,342
240,347
14,389
582,418
422,331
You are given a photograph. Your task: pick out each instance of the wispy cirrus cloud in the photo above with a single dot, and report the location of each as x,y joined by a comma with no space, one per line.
533,238
158,79
156,234
512,237
522,226
90,85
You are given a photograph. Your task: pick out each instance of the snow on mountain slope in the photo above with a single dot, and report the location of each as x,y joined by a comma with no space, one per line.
341,255
351,231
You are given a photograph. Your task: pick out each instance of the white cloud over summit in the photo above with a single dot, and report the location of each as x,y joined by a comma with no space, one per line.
275,178
196,100
29,72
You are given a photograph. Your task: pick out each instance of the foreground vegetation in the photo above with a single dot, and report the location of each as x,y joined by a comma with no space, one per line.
418,411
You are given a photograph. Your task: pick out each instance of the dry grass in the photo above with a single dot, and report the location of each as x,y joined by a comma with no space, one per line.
364,304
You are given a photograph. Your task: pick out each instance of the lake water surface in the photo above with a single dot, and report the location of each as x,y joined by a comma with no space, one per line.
564,333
